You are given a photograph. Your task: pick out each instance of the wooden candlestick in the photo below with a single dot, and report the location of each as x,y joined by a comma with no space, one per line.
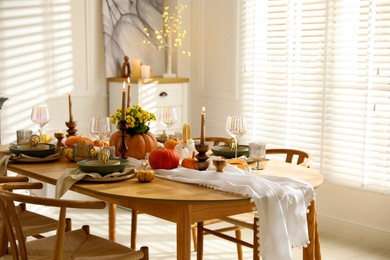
59,136
71,128
123,146
202,163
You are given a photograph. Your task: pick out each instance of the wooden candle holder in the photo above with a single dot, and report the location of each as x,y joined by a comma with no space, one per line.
71,128
202,164
123,146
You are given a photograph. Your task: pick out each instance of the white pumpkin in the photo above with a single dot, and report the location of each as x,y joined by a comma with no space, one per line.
187,146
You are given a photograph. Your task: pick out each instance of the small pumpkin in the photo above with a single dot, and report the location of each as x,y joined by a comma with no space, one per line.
189,162
97,143
145,175
71,140
69,154
163,159
184,149
171,143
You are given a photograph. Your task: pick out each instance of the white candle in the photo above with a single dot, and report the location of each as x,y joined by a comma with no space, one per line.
136,69
203,126
70,107
123,100
128,92
145,71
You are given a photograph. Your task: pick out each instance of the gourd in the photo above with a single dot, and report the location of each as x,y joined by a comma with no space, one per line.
104,155
171,143
137,146
71,140
164,159
184,149
189,162
145,175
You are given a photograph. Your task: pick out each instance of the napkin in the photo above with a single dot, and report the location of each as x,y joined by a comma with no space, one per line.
281,204
73,175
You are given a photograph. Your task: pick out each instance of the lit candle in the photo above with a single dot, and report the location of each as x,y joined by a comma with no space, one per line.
70,107
203,127
123,100
128,91
145,71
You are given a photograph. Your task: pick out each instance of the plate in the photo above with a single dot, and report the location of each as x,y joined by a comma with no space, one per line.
110,166
225,151
42,150
108,179
25,159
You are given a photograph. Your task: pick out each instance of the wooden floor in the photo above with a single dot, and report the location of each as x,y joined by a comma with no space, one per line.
160,237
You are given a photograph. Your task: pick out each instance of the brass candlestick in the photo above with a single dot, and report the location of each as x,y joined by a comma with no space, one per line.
123,146
202,164
71,128
59,136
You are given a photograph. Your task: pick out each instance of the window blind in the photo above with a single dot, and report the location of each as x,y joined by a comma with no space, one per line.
315,76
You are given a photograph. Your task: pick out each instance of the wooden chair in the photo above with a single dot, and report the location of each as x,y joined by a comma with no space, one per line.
33,224
214,141
79,244
249,220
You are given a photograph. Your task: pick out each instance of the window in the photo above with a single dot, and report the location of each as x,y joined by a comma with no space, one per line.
316,76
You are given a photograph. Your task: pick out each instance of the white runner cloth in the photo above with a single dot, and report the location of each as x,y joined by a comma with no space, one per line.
280,202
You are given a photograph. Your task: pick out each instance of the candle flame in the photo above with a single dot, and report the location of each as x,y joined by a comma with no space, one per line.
128,79
124,86
203,109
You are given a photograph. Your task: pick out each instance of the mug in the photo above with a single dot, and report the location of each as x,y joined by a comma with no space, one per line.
23,136
82,151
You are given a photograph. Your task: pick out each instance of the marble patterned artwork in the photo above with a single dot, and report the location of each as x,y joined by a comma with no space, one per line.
123,24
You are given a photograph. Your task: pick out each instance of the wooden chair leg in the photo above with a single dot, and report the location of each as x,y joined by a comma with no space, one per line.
199,252
239,247
133,235
194,237
68,223
256,245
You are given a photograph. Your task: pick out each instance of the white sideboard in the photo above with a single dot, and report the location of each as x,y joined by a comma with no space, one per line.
153,94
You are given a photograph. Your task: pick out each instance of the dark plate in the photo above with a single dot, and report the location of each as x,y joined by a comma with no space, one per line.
225,151
111,166
42,150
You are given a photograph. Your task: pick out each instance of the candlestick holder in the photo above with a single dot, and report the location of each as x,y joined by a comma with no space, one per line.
59,136
123,146
71,128
202,163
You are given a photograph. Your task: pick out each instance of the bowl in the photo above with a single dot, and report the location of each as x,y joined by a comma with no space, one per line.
42,149
225,151
93,165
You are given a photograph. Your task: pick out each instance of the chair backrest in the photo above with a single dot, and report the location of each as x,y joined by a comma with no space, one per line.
11,221
214,141
293,156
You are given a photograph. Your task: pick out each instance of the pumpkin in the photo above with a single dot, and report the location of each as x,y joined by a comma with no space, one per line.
164,159
145,175
137,146
184,149
171,143
189,162
71,140
69,154
97,143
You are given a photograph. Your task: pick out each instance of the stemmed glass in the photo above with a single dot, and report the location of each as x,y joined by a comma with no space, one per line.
168,118
100,127
40,115
236,127
257,153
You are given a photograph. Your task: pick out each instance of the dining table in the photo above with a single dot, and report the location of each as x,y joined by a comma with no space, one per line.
181,203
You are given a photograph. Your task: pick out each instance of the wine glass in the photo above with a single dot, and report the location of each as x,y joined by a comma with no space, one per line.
40,115
100,127
257,153
236,127
168,118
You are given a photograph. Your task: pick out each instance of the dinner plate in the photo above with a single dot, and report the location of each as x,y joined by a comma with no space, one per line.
225,151
28,159
108,179
42,149
91,165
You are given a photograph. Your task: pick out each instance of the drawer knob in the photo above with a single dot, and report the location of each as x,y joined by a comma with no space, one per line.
163,94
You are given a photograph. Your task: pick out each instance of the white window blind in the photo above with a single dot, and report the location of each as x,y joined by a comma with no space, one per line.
316,76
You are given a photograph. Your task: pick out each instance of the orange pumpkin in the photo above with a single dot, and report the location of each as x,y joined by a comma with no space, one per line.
137,145
171,143
71,140
164,159
97,143
189,162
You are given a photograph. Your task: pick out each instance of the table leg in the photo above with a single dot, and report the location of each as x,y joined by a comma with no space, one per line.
111,221
183,233
312,251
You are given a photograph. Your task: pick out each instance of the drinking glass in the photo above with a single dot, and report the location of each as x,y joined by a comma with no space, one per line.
100,127
236,127
168,117
257,153
40,115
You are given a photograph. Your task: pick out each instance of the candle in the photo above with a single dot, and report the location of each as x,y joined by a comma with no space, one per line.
136,69
128,91
70,107
203,127
123,100
145,71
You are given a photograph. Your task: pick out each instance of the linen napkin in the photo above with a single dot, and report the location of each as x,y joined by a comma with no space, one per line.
73,175
280,202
